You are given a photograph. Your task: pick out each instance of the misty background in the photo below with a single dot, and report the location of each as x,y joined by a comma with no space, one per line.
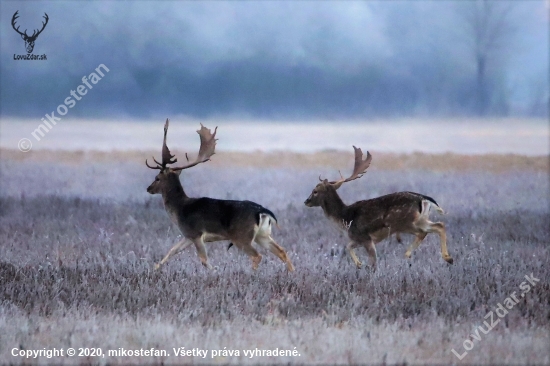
280,60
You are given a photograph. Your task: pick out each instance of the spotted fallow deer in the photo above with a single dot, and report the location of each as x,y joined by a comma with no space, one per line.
206,219
368,222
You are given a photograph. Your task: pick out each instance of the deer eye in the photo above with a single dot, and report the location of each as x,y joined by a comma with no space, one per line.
157,179
315,193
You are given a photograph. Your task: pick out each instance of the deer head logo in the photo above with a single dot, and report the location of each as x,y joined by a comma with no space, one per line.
29,40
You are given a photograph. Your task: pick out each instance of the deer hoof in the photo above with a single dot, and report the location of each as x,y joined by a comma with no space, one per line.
448,259
156,266
256,261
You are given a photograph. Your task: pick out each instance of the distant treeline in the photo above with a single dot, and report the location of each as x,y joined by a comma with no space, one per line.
295,60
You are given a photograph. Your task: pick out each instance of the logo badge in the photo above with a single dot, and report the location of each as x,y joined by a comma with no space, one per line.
29,40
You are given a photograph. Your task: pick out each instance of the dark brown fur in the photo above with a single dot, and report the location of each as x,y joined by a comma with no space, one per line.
206,219
368,222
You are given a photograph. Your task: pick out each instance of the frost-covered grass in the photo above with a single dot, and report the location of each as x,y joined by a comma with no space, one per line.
78,241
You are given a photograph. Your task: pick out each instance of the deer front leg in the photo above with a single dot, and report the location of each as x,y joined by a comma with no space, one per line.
351,249
181,245
371,250
201,252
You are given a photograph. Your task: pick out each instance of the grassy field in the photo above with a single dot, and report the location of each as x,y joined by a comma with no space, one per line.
79,236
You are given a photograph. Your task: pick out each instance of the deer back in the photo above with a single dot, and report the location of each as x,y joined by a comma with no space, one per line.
397,211
226,218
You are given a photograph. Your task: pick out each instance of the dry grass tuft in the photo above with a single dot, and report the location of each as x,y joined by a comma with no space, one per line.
79,236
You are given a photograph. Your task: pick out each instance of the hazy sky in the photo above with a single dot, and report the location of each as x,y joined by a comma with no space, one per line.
269,59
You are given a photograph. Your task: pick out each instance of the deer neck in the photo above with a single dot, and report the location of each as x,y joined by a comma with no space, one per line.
333,206
174,192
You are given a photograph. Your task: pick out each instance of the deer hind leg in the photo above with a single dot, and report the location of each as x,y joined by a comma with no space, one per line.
246,246
415,244
201,251
439,228
351,249
268,243
371,251
243,240
425,225
181,245
253,254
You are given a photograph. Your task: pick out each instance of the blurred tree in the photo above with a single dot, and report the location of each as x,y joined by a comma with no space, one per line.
490,32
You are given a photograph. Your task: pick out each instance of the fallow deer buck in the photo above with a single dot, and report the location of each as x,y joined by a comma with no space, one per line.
206,219
368,222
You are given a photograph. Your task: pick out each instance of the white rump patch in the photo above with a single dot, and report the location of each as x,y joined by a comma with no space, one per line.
426,206
264,228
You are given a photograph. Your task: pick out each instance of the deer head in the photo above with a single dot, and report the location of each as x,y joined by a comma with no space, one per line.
29,40
168,175
326,189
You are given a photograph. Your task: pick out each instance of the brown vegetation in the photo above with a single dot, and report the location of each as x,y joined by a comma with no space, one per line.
327,158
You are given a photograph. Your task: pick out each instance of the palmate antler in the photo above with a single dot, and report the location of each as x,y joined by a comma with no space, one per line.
206,150
208,145
360,167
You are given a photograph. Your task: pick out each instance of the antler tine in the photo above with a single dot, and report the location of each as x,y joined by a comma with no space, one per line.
166,155
207,148
160,164
13,19
43,24
153,167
